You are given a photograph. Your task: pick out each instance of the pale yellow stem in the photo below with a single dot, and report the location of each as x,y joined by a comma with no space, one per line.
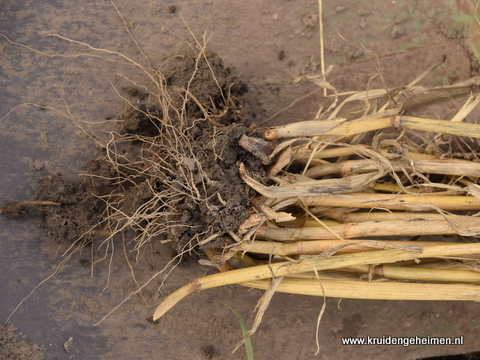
348,129
319,263
465,225
374,290
316,247
420,274
424,202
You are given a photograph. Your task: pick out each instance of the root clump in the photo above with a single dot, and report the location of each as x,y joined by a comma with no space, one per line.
170,169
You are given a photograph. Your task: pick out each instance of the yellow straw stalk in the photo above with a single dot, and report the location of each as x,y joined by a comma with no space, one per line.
373,290
320,263
347,129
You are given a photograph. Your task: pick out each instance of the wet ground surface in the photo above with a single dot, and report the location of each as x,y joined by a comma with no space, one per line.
73,90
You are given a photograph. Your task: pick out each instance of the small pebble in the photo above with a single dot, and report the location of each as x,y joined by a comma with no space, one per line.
37,165
363,23
397,31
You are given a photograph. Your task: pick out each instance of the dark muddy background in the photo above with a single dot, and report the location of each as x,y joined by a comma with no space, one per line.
269,44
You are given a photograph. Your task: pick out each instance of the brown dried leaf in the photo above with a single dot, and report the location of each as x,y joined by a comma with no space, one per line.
283,160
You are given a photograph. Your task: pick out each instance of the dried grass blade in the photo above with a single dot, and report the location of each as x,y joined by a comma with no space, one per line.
261,308
466,108
309,188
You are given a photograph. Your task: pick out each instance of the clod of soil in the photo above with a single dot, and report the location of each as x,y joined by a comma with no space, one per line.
14,209
138,121
79,213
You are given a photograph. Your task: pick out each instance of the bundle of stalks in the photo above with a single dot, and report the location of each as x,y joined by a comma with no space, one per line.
377,206
382,206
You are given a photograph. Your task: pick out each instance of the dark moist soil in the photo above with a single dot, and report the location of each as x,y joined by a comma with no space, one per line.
77,216
223,198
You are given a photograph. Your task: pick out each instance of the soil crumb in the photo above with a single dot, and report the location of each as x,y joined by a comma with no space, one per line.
12,349
14,209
